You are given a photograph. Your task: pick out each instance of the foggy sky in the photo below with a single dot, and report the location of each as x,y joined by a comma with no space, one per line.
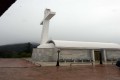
77,20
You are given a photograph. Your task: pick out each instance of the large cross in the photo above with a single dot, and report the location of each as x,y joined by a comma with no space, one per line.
45,22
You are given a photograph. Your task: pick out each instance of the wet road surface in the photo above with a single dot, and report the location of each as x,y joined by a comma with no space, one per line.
20,69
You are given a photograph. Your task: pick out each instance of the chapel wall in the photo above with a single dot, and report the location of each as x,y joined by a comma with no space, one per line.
51,55
112,54
44,54
75,54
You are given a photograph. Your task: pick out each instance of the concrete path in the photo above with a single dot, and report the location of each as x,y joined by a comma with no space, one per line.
20,69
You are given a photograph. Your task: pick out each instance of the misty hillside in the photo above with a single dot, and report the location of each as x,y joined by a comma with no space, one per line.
17,50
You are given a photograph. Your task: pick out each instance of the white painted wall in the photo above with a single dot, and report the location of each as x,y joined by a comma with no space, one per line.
50,54
112,54
44,54
74,54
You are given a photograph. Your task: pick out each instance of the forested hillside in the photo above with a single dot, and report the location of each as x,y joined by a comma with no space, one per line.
17,50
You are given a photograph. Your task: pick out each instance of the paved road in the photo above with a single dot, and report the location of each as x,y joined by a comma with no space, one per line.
20,69
15,63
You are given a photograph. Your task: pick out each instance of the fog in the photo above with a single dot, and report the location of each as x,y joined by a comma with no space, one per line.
76,20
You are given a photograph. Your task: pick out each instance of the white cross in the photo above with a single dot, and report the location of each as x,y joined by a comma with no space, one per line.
45,22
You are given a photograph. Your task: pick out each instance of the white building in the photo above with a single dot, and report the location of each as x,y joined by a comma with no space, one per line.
72,50
77,50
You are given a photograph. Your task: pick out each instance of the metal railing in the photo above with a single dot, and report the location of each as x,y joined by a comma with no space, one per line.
76,61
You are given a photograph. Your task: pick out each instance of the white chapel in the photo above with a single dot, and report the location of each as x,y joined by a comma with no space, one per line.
72,50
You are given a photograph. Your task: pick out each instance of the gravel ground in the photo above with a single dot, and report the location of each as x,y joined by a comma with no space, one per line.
20,69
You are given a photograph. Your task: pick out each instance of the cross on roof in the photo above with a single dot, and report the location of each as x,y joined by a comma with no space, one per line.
45,22
47,15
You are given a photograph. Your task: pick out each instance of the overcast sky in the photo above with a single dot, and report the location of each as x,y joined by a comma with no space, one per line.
77,20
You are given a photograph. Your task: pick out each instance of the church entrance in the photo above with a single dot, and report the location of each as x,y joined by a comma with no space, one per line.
98,56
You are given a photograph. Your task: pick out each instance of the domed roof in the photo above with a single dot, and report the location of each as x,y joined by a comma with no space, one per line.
83,45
